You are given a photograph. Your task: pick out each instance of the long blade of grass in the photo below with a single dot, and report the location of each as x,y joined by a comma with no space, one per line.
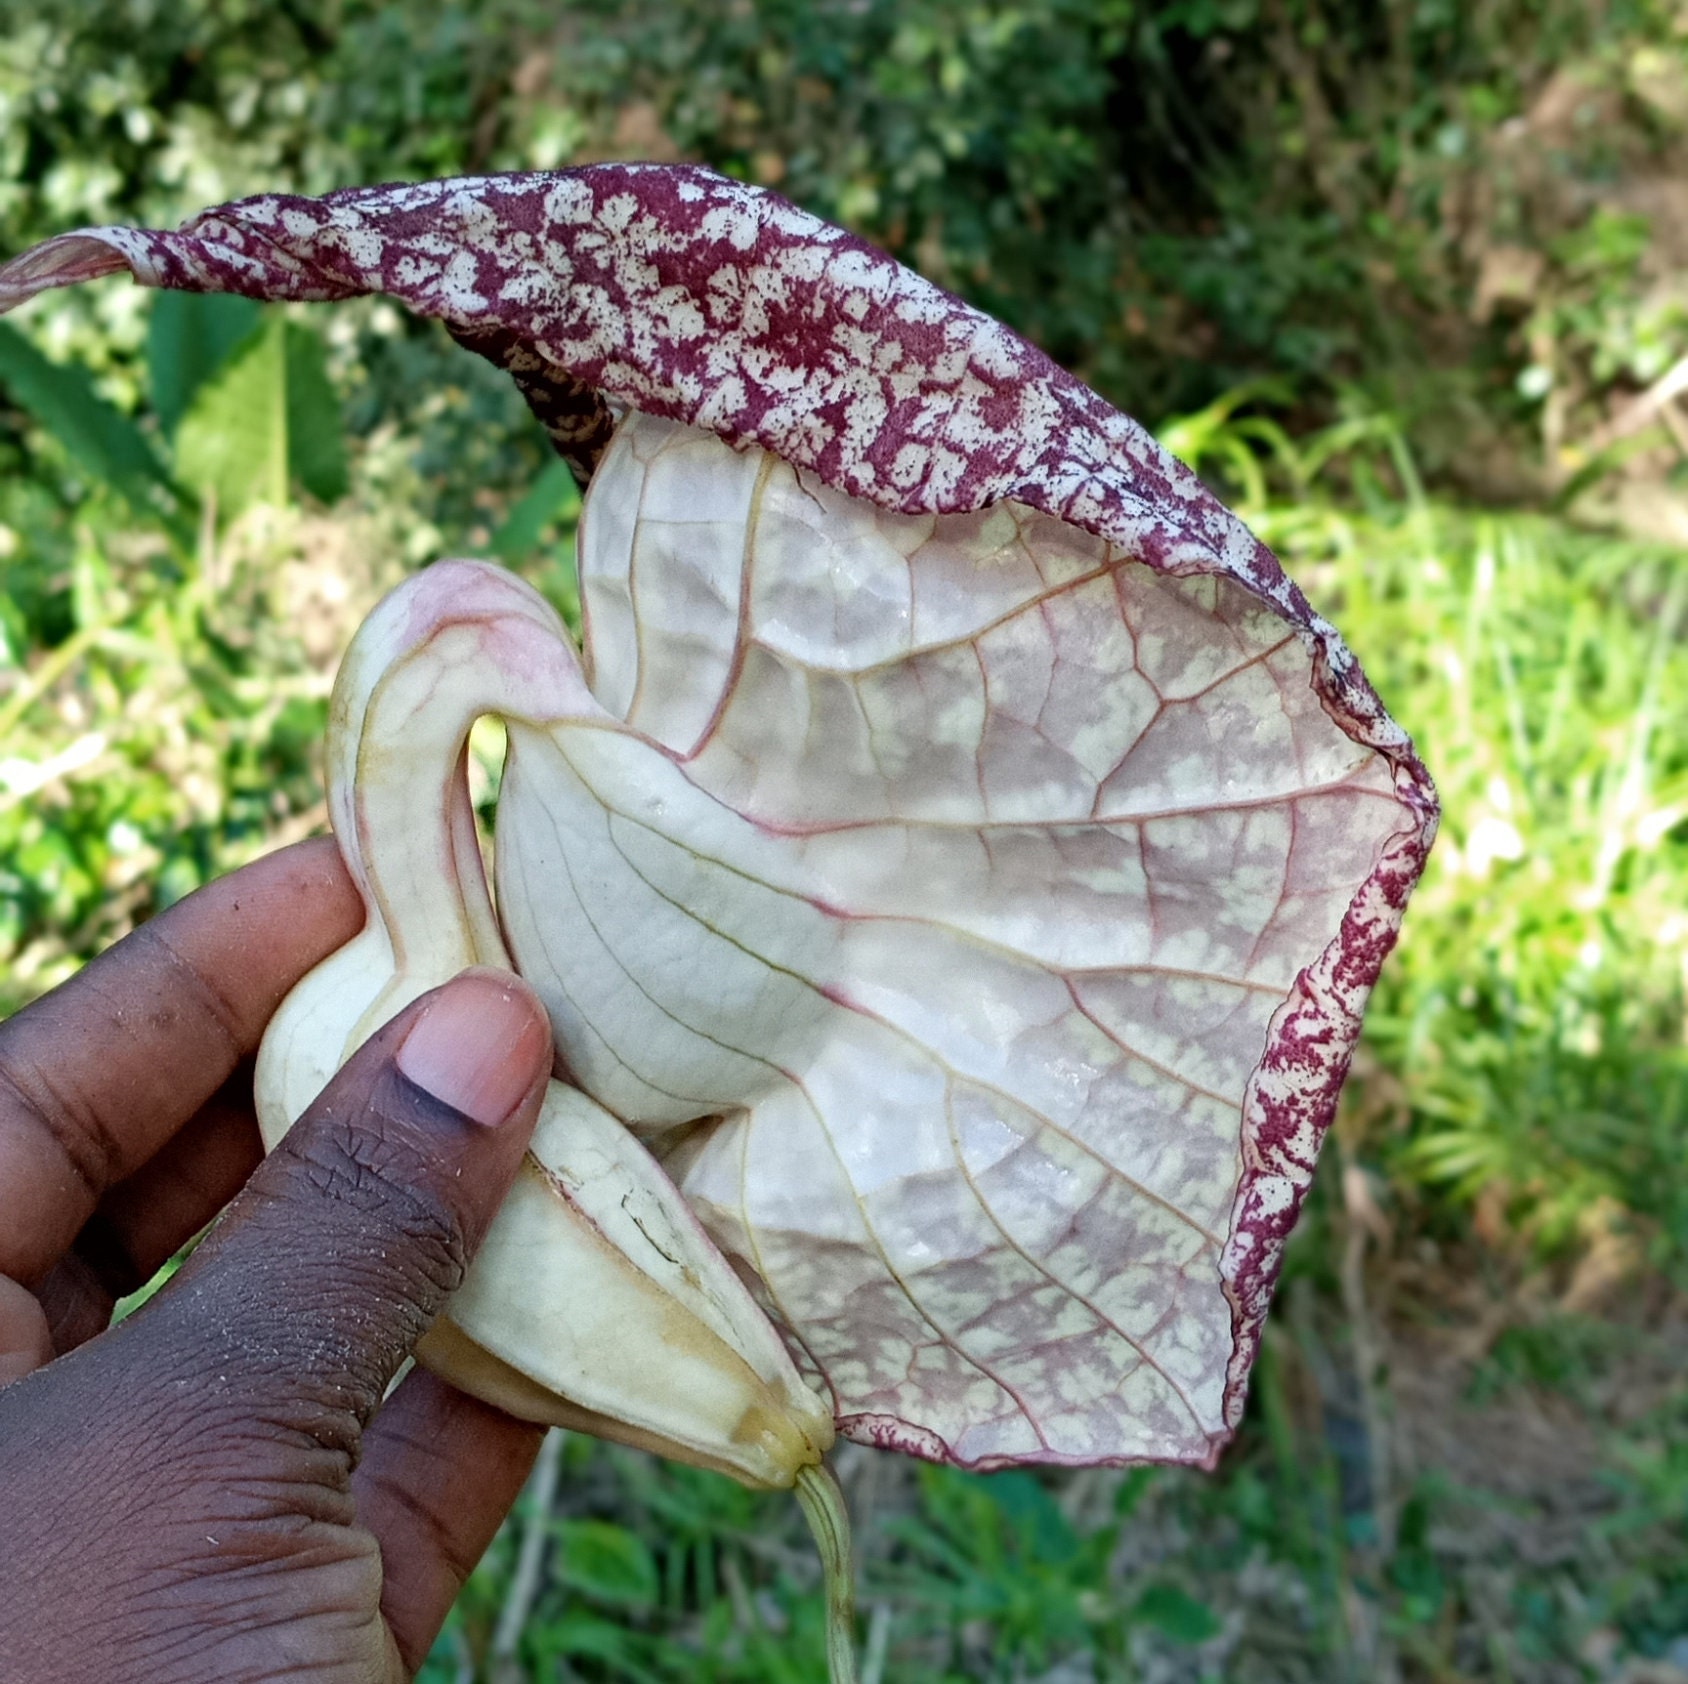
99,437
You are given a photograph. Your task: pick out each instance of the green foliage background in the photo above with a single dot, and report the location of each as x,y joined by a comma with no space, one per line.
1404,282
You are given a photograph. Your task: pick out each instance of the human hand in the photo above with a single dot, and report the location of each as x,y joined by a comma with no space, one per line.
207,1492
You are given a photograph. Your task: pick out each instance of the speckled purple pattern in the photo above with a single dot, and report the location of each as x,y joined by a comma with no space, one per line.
673,291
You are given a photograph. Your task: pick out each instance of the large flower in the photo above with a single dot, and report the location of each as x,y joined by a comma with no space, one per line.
958,854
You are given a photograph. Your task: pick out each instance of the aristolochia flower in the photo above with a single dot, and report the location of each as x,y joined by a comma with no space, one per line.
958,856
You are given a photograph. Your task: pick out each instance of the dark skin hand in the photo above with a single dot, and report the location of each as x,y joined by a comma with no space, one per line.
214,1490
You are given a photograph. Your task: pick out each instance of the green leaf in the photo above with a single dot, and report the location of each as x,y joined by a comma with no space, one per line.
553,496
14,632
189,337
1177,1614
316,433
232,442
101,439
265,416
607,1562
1035,1516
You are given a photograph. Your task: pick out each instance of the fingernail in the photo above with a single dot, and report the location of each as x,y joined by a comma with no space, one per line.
477,1047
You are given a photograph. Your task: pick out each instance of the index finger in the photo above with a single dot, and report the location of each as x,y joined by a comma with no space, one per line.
96,1076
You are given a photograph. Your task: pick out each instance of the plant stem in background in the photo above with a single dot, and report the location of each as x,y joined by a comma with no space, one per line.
538,1497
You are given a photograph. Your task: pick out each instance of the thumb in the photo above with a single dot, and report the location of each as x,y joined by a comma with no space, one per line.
328,1268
